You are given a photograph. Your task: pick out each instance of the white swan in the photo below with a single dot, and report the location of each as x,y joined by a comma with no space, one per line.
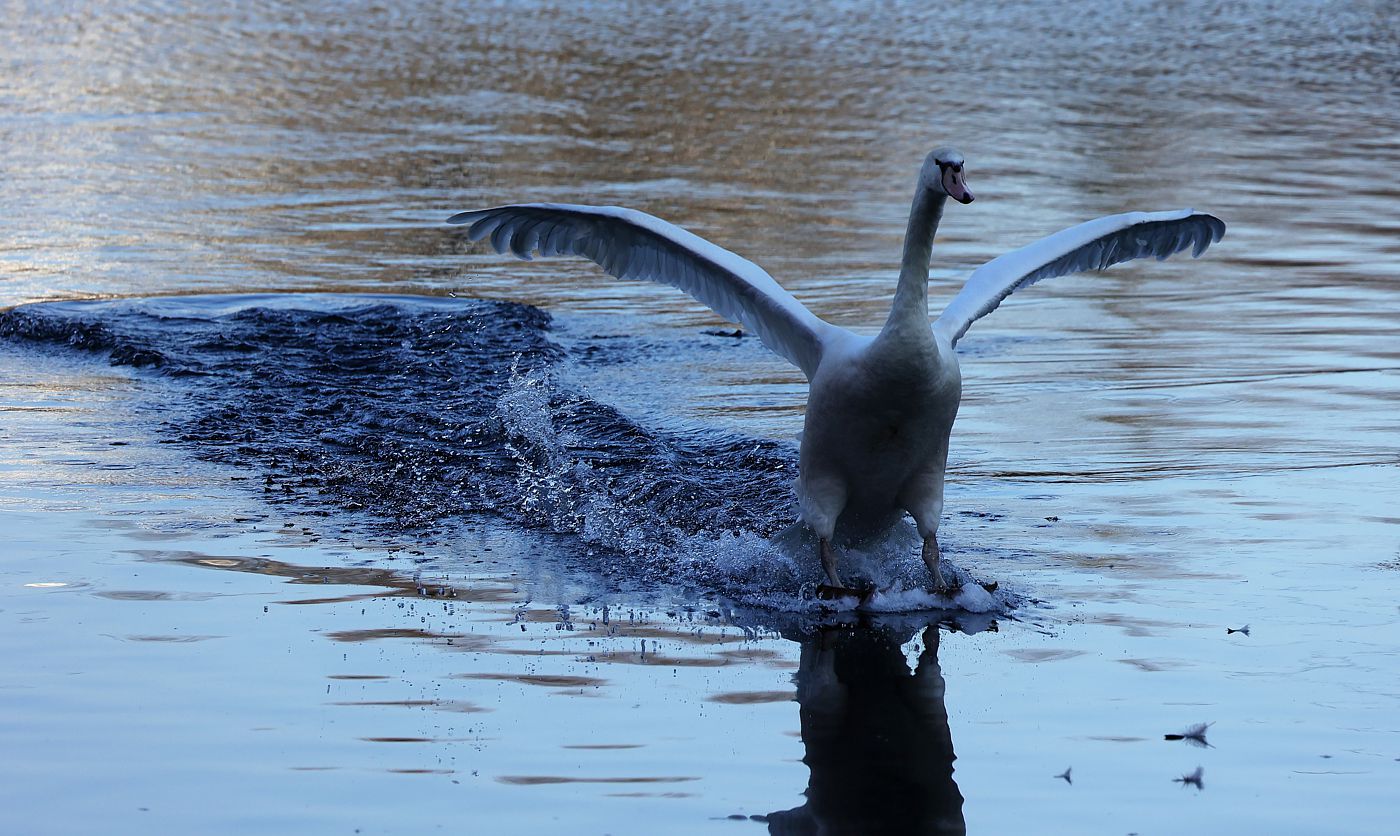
875,440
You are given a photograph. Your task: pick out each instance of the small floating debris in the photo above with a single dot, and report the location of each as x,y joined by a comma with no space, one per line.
1232,630
737,333
1195,735
1195,779
1065,775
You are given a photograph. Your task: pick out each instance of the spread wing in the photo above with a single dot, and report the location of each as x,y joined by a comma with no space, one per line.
1093,245
634,245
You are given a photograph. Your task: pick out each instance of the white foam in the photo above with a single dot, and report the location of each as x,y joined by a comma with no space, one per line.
970,598
780,573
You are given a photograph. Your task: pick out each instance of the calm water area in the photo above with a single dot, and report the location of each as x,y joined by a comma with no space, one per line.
298,534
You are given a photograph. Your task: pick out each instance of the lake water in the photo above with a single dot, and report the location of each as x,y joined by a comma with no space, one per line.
319,518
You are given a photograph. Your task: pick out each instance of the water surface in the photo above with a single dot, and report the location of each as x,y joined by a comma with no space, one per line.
1144,457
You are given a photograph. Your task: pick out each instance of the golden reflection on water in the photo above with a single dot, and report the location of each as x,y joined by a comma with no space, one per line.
752,697
536,780
537,679
157,148
160,148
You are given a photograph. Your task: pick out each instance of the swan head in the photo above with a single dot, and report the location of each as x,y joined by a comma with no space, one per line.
943,174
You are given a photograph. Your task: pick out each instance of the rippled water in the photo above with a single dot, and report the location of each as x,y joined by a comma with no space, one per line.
1144,456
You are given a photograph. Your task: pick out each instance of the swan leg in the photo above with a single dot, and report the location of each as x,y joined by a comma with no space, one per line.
829,562
821,500
932,560
924,502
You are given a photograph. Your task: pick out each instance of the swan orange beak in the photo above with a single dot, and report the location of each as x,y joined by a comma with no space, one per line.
955,185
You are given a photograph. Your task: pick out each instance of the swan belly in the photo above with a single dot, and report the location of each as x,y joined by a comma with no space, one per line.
875,444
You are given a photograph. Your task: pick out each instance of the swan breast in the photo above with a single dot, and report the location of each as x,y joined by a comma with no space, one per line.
878,418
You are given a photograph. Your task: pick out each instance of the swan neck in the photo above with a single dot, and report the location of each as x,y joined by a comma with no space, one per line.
911,297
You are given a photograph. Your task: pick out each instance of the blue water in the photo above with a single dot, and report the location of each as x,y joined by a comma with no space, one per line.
307,500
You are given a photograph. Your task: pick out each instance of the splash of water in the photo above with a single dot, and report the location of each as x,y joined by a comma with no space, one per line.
416,413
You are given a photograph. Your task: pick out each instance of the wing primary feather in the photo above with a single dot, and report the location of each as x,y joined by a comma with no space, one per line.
482,228
500,237
558,240
524,239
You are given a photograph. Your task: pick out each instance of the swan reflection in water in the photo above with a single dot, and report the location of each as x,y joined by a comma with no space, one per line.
876,733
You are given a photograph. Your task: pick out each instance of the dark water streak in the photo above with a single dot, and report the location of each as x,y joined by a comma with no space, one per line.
394,406
1161,450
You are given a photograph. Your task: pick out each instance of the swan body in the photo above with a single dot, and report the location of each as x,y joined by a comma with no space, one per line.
881,408
875,440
